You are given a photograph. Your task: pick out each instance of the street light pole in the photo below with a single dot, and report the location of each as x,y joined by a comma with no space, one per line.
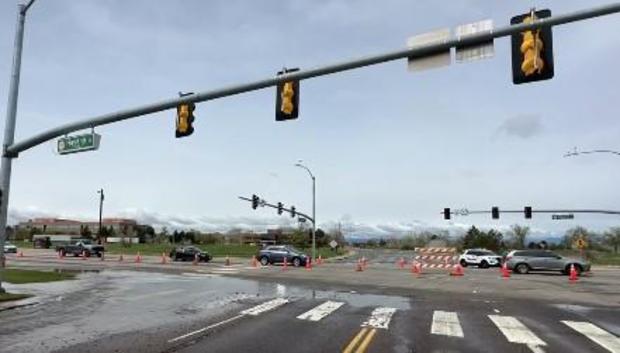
100,214
298,164
9,128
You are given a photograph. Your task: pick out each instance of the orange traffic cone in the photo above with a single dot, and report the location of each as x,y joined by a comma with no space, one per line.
20,254
505,271
120,258
59,255
254,262
195,261
163,258
572,275
319,261
309,265
457,270
83,255
401,263
138,258
227,263
364,262
360,266
285,264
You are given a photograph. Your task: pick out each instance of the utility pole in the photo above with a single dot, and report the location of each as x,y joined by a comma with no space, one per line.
9,127
101,197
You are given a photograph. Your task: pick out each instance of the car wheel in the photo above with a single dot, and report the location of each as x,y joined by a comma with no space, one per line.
483,264
463,263
522,269
296,262
264,261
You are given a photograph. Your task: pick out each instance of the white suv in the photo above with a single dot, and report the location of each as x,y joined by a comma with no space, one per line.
481,257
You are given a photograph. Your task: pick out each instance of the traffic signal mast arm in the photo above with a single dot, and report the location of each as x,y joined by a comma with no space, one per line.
264,203
610,212
418,52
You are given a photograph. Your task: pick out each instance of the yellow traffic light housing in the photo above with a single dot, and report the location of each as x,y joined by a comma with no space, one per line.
532,50
287,98
185,118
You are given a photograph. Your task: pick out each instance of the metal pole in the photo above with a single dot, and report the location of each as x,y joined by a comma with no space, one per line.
313,218
9,129
422,51
100,215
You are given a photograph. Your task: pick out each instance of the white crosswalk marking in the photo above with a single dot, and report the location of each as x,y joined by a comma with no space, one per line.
596,334
380,318
516,332
270,305
321,311
446,323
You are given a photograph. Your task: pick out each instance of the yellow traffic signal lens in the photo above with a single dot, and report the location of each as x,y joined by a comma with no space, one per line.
287,94
183,118
531,48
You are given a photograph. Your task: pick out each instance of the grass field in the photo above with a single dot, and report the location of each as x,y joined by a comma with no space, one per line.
217,250
28,276
5,297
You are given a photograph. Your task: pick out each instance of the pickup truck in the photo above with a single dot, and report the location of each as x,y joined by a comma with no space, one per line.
79,248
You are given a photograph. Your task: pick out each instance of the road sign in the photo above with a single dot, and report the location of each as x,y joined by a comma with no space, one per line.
78,143
474,52
580,243
562,216
333,244
431,61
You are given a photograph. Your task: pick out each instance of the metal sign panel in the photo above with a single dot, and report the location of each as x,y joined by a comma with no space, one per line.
431,61
474,52
333,243
562,216
78,143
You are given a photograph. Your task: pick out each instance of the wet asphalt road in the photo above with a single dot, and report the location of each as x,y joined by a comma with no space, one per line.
185,308
127,311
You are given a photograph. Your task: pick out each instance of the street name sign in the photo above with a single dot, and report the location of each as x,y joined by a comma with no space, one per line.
78,143
474,52
562,216
430,61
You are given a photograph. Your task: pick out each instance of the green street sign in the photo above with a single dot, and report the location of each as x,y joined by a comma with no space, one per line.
78,143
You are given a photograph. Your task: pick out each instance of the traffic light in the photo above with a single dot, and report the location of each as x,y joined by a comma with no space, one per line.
495,212
532,51
287,98
527,210
293,212
185,118
254,201
446,213
280,207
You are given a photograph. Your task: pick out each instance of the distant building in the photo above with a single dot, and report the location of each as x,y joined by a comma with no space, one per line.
120,226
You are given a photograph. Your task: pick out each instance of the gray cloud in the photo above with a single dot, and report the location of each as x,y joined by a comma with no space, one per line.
522,126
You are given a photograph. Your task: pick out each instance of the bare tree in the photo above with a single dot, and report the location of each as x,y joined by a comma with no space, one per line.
519,233
612,238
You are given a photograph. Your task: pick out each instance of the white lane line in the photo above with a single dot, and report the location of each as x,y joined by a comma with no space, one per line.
496,311
380,318
270,305
596,334
321,311
446,323
516,332
206,328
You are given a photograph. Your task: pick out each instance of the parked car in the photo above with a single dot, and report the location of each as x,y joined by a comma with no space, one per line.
81,248
480,257
524,261
277,253
188,253
9,248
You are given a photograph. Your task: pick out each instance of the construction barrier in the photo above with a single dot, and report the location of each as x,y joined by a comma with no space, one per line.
438,259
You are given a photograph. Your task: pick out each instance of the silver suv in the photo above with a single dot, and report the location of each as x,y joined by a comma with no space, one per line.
524,261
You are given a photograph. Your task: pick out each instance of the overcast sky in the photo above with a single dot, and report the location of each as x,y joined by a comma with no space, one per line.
389,148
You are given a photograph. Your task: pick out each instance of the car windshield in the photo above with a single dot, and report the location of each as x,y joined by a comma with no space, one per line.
487,253
86,242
